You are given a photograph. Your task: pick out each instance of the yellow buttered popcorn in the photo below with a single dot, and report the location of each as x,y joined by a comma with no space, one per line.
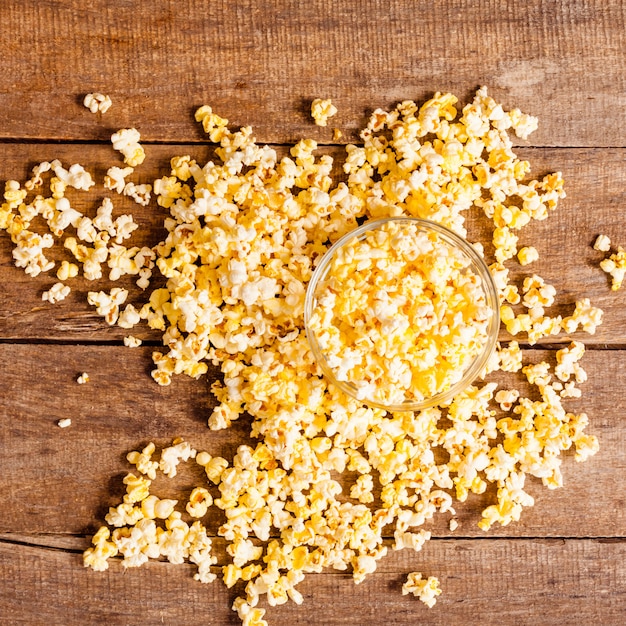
400,314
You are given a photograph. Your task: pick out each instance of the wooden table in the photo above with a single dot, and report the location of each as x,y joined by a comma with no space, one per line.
262,63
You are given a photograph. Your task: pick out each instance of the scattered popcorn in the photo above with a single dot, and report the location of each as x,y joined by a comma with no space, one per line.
143,461
510,357
108,305
126,141
64,423
56,293
67,270
527,255
97,102
506,398
586,316
83,378
76,176
602,243
129,317
337,134
139,193
322,110
115,178
97,557
426,590
615,266
171,456
454,524
132,342
199,502
245,232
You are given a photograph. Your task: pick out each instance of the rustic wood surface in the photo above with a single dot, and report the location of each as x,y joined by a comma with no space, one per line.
262,63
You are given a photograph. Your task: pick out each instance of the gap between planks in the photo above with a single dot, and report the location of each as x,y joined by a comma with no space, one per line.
77,543
155,343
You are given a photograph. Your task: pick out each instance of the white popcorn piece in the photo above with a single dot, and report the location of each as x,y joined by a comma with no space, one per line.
171,456
602,243
56,293
115,178
141,194
108,305
97,102
126,141
76,176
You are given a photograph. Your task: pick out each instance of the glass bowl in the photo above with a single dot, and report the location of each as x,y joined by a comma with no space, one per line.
402,314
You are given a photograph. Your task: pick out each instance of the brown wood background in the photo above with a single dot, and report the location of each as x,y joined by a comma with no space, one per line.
262,63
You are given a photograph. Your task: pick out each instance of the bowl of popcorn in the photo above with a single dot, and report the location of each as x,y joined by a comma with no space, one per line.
402,314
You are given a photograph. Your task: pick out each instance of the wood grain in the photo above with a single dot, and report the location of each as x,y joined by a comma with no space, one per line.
263,64
483,582
122,409
596,203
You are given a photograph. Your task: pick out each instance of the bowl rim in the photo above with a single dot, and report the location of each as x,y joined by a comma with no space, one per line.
477,264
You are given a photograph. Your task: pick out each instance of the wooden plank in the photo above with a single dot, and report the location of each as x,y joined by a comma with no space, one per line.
263,64
63,480
508,582
596,203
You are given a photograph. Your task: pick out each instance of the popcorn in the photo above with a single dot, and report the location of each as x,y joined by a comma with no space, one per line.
64,423
322,110
602,243
243,236
56,293
142,460
129,317
67,270
199,502
115,178
527,255
97,102
510,357
126,141
139,193
213,124
83,378
426,590
615,266
523,124
108,305
137,488
29,254
97,557
132,342
75,177
506,398
584,315
171,456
